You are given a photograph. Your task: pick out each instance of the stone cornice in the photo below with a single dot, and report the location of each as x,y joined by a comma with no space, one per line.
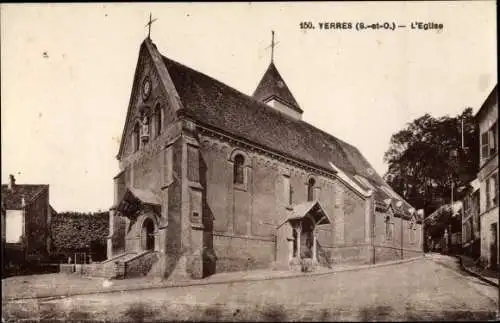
252,147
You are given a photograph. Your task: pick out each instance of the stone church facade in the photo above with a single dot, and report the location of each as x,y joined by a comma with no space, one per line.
214,180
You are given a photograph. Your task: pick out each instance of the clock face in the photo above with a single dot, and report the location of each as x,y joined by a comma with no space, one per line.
146,88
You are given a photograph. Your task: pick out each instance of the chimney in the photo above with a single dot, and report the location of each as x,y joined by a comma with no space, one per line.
12,181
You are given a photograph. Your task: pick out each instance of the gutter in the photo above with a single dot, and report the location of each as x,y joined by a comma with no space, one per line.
478,276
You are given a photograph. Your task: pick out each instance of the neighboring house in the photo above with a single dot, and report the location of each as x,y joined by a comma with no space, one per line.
471,239
26,221
214,180
487,120
445,228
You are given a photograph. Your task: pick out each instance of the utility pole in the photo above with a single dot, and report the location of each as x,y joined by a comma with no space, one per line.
463,144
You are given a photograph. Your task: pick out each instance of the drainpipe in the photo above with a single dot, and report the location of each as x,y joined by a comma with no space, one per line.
401,226
373,233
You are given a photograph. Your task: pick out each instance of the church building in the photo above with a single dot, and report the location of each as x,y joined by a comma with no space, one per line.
214,180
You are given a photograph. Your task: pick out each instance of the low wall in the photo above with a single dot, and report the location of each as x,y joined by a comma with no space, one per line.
66,268
93,270
140,265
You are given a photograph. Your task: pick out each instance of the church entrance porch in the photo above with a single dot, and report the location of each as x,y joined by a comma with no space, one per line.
306,229
141,212
297,237
148,235
141,209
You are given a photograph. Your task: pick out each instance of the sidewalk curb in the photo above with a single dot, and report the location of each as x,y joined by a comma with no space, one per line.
229,281
478,276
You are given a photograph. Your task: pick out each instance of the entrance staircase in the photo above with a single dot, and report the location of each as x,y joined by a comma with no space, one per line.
133,264
125,265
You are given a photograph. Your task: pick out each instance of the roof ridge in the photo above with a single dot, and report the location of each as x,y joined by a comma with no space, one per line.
33,185
260,103
39,192
349,159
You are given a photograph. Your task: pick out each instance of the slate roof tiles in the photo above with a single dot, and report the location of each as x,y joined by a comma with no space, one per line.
214,104
12,198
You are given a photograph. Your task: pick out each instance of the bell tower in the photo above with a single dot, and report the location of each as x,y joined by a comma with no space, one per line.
273,90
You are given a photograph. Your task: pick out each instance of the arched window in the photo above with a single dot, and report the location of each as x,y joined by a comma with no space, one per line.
310,189
145,130
136,141
158,120
239,176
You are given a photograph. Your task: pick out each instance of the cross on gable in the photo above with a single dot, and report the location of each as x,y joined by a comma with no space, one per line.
149,25
272,45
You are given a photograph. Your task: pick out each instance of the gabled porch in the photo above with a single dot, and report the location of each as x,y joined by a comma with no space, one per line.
297,236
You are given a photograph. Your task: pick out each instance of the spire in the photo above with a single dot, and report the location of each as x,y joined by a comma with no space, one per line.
274,91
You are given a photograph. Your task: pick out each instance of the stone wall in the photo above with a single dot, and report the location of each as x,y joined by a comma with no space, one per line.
487,220
346,254
256,207
391,249
140,265
92,270
354,219
412,253
387,253
242,253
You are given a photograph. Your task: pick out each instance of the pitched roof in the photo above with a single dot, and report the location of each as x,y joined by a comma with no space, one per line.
133,197
452,209
272,86
216,105
301,210
490,100
12,198
145,196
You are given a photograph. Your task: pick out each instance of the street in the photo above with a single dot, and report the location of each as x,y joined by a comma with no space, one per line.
426,289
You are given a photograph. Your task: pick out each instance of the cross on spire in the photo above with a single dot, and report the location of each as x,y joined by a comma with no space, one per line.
149,25
272,45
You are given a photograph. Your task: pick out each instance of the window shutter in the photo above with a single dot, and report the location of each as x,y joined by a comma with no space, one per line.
493,138
484,145
494,190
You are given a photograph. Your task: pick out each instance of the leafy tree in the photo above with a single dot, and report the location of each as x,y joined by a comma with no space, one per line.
80,232
427,156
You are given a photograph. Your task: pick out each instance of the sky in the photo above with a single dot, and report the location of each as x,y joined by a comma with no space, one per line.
67,72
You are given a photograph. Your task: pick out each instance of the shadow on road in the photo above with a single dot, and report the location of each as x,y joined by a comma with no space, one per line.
141,312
